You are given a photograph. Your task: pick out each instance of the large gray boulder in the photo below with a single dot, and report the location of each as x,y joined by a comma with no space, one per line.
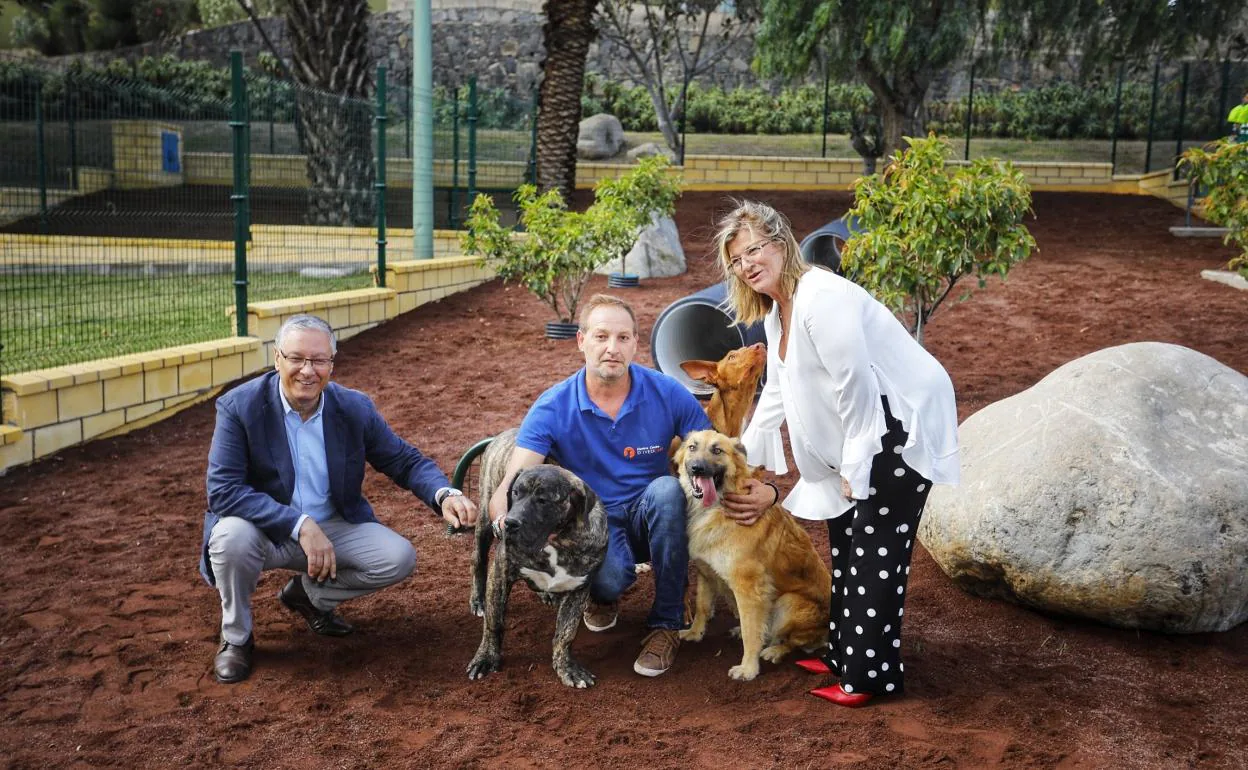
656,254
1115,489
600,137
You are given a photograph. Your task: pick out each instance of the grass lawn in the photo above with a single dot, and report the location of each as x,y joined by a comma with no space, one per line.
54,319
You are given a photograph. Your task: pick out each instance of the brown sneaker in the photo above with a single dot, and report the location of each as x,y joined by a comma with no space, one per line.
600,617
658,652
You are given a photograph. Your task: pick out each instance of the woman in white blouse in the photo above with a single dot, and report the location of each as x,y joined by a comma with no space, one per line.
872,424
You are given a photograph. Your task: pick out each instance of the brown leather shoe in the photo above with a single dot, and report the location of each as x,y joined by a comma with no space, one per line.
658,652
600,617
233,662
323,622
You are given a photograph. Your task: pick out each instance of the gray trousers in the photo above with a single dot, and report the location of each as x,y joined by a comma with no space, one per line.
369,557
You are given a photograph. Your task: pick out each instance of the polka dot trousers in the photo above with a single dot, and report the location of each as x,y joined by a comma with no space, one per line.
871,551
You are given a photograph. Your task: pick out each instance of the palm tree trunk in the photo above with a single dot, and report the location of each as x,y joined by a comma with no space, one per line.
568,31
329,52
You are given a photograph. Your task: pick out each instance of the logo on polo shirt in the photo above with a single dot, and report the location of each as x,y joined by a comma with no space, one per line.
630,452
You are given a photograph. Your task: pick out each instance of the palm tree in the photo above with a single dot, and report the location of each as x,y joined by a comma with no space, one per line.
329,55
568,31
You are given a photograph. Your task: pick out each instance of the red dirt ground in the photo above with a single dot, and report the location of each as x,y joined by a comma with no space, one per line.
107,631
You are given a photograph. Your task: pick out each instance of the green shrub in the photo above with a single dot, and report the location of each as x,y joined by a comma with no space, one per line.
925,228
1221,168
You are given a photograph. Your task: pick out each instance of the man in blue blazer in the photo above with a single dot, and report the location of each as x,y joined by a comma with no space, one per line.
285,473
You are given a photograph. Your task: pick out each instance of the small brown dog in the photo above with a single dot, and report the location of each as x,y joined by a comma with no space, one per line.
777,585
735,379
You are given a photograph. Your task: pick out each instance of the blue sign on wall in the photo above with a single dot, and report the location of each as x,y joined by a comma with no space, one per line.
169,152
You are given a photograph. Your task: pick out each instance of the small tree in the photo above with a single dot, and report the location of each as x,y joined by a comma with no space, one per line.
1221,168
559,250
645,193
924,228
673,40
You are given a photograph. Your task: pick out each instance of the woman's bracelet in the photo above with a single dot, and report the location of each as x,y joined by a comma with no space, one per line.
775,489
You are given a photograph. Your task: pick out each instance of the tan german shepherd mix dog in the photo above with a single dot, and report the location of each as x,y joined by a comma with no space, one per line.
775,582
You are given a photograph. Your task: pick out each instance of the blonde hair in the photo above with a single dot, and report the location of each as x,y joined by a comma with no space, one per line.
605,300
748,305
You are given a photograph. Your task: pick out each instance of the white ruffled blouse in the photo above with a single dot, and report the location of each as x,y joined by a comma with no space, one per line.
845,351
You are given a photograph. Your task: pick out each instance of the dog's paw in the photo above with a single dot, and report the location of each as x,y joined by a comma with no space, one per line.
548,598
477,606
483,665
735,632
573,674
775,653
692,634
743,673
642,567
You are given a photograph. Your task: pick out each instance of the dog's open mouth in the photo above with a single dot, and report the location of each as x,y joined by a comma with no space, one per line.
706,488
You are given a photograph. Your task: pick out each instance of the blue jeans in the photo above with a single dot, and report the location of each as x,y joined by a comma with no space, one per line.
650,528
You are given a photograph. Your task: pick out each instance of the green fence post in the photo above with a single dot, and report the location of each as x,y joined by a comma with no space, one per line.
532,170
684,110
238,128
41,161
1178,141
71,99
472,138
247,118
453,214
827,77
970,113
380,184
272,115
1152,118
1113,137
1226,90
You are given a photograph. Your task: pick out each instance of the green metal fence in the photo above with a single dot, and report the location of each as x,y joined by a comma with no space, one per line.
484,141
1135,117
134,217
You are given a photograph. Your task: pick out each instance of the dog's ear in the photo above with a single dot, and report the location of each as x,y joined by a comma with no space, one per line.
706,371
679,457
511,488
582,501
739,448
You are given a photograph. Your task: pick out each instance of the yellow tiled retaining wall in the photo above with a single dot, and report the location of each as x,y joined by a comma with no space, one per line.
50,409
296,245
701,172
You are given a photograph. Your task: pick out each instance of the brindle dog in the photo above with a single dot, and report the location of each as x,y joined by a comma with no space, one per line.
553,536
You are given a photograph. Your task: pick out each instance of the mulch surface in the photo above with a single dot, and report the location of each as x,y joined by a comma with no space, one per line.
108,632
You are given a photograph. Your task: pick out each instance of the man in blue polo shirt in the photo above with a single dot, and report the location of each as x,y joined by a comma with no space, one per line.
612,423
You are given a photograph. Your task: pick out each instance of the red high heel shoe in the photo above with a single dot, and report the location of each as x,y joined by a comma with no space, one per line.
814,666
838,696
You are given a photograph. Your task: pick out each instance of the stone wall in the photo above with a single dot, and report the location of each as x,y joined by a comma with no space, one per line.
500,42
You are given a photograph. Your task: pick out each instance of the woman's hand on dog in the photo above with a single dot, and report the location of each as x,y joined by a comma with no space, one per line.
748,506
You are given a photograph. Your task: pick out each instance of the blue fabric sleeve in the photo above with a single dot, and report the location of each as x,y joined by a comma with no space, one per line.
230,492
537,431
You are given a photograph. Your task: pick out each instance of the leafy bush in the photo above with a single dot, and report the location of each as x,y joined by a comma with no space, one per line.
924,228
1057,110
1221,168
151,86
